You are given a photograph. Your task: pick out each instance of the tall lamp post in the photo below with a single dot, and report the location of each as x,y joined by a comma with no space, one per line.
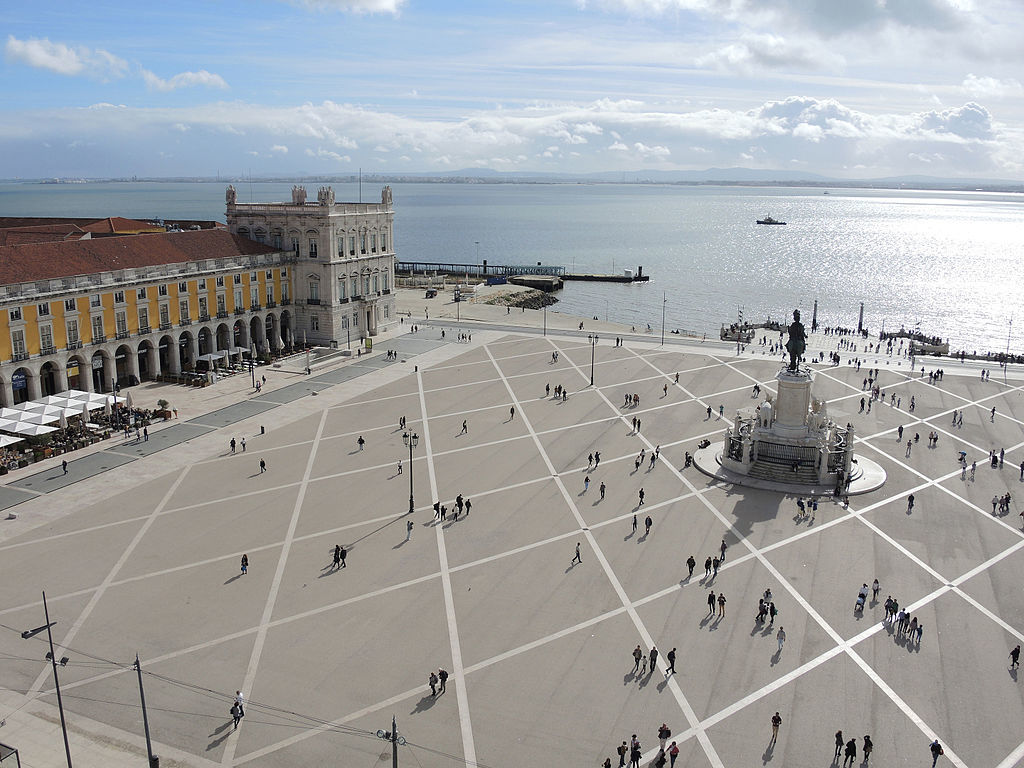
664,301
52,658
592,338
411,441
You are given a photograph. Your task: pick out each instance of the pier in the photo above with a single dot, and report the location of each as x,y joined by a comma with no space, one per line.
517,273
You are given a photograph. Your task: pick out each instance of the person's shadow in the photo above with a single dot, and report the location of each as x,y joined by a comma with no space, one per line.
768,753
776,657
221,734
707,617
643,538
573,565
628,677
233,578
1013,673
424,704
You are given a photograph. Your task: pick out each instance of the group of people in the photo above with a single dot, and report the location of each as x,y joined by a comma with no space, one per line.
848,749
461,503
667,753
902,622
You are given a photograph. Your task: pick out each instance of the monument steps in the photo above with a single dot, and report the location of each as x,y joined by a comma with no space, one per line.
765,471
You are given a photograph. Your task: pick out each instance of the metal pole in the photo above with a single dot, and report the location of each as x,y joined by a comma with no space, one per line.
412,505
145,718
593,343
664,301
1006,362
394,743
56,682
546,319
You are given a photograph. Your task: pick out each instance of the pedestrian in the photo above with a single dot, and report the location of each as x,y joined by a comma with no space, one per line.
875,589
711,601
469,505
707,567
622,750
576,558
910,503
511,413
586,483
245,564
240,702
851,752
263,466
839,744
648,522
1014,656
634,522
776,722
236,714
232,445
721,604
663,732
465,427
723,548
671,656
597,459
399,466
64,466
602,490
781,637
935,747
910,444
432,681
772,613
145,437
637,655
641,494
691,564
408,529
715,562
343,554
868,746
654,661
442,676
673,753
361,442
243,444
336,562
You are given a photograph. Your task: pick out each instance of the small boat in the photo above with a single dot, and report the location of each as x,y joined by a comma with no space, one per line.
770,220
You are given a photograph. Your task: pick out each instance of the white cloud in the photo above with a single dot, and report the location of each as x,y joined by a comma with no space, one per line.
991,87
646,151
183,80
63,59
756,52
321,152
353,6
618,146
280,149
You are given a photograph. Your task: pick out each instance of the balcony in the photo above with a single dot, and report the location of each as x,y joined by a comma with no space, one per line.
101,339
204,317
271,304
123,335
143,330
240,310
285,302
313,301
222,313
19,356
165,326
255,307
76,344
185,321
343,300
49,349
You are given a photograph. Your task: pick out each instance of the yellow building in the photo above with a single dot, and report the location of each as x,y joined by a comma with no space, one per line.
87,313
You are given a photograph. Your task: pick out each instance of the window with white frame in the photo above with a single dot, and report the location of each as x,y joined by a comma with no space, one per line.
220,281
373,242
222,303
162,290
70,305
312,249
45,337
183,287
362,242
18,341
355,319
97,328
238,299
295,246
119,297
366,285
165,315
384,279
314,290
384,242
121,322
270,292
314,323
352,245
204,310
72,326
95,300
15,313
376,283
342,293
202,284
253,277
270,274
183,309
284,291
143,318
142,293
238,279
43,309
386,314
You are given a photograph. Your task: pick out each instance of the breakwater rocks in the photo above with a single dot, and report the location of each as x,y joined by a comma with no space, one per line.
532,299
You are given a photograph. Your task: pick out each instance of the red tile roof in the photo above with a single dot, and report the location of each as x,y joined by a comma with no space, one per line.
120,224
43,261
40,233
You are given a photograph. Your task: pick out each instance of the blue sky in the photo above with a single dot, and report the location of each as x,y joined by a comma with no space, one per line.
849,88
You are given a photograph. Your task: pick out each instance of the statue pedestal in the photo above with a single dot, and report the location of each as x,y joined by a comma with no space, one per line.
792,402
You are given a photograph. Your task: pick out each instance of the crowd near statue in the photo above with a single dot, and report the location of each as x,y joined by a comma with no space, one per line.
797,342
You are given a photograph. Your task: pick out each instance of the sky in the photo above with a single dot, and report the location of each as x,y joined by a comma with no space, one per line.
851,89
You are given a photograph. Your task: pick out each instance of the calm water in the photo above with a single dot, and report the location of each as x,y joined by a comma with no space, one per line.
951,262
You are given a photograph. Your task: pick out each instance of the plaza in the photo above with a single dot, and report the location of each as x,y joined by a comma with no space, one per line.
142,556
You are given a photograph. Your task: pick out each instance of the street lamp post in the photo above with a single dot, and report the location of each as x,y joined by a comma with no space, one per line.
545,319
52,658
411,441
252,363
664,301
592,337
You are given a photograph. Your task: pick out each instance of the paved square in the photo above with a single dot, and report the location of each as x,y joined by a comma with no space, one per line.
538,647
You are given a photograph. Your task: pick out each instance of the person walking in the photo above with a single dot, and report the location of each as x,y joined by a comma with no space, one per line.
868,746
721,605
576,558
236,714
637,655
648,522
336,561
641,494
263,466
245,564
408,529
511,413
469,506
622,750
243,444
465,427
586,483
776,722
673,753
634,522
851,752
240,702
711,602
772,613
910,503
723,548
432,682
64,466
935,747
442,676
839,744
232,446
707,567
671,657
1014,656
663,734
654,661
875,589
361,442
690,564
602,490
342,554
715,562
781,637
597,459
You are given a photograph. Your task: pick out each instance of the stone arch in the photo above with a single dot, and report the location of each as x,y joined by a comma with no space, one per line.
243,231
147,361
186,350
23,381
78,372
127,365
165,354
103,370
287,331
205,339
223,337
257,335
271,332
240,334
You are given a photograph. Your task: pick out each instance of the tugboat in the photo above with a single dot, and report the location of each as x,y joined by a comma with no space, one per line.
770,220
